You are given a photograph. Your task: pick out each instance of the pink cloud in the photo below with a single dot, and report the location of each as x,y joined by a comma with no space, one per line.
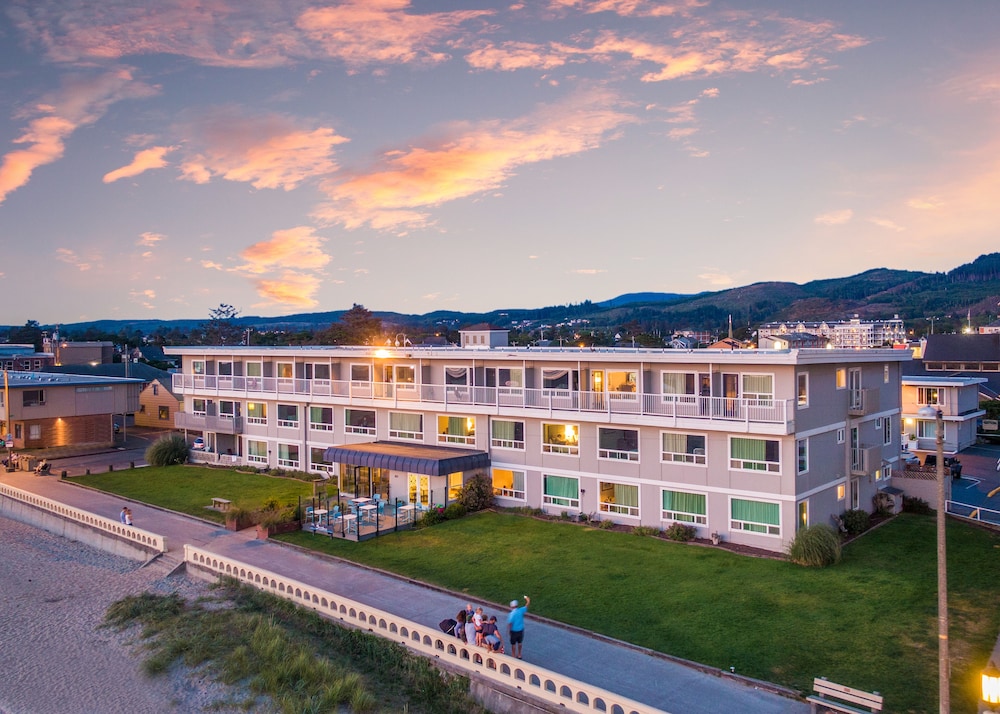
290,288
149,239
511,56
145,160
291,248
629,8
834,218
472,159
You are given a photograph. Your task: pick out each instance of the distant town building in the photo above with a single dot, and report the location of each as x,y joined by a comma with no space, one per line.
990,329
791,341
24,358
483,335
846,334
66,352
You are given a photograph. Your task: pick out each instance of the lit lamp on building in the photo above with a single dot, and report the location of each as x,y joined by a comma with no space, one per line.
990,703
944,698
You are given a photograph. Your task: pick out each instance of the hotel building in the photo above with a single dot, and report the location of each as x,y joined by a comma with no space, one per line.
746,444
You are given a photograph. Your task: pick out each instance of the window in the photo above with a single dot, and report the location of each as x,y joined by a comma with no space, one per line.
455,483
679,383
508,484
556,378
803,389
802,455
34,432
682,448
199,407
622,381
754,454
841,378
318,370
227,410
257,452
164,413
288,455
359,421
841,491
759,387
256,413
406,426
288,415
456,376
619,444
321,418
505,377
456,430
755,516
361,373
284,370
156,389
885,374
561,439
927,429
930,395
887,471
620,498
318,461
561,491
405,375
841,435
684,507
803,514
33,397
225,369
254,369
198,367
878,423
507,434
887,430
142,408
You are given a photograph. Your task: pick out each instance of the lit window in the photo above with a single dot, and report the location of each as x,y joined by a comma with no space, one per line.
561,439
508,484
619,498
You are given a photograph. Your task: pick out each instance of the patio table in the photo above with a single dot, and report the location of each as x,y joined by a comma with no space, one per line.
405,513
350,522
368,512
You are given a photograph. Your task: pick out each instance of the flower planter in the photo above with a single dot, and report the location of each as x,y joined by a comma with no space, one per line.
263,532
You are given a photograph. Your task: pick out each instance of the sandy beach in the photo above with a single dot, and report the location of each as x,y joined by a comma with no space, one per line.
55,657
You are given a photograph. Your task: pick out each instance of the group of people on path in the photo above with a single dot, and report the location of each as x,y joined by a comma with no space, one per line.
474,627
125,516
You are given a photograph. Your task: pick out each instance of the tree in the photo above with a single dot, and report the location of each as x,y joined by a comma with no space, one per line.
360,326
30,334
221,328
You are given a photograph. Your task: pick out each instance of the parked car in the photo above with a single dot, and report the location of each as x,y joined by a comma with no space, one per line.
198,444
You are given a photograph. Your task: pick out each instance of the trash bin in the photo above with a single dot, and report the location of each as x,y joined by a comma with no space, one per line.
956,470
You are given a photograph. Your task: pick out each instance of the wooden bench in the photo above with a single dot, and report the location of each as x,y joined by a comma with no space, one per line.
221,504
846,696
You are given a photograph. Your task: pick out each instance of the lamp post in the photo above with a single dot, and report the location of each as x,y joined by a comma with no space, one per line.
944,698
991,690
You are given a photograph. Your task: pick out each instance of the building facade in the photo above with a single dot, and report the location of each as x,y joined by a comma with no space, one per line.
957,398
845,334
747,444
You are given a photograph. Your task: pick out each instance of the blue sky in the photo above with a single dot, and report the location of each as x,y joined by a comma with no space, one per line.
158,159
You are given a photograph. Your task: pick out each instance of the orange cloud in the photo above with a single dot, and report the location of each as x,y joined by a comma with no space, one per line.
511,56
292,248
296,289
70,257
473,159
629,8
834,218
362,32
266,152
81,101
144,161
148,239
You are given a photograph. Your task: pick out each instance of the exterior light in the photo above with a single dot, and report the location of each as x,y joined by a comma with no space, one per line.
991,684
381,354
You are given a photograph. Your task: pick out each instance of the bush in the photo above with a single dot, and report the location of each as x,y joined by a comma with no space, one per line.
606,524
919,506
815,546
433,516
856,521
454,510
477,494
167,451
680,532
646,531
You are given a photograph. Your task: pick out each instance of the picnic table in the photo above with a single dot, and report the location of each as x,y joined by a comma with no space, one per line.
221,504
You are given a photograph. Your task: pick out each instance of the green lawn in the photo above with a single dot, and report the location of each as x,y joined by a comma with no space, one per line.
188,489
869,622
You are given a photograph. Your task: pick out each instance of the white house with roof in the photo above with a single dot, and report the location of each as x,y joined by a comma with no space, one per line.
957,398
749,444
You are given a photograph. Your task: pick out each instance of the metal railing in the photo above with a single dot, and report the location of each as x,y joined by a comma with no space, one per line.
669,406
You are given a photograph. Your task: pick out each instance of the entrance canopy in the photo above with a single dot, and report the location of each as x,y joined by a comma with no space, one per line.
411,458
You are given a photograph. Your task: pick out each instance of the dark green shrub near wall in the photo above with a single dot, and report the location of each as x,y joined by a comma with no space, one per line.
167,451
919,506
680,532
477,494
856,521
815,546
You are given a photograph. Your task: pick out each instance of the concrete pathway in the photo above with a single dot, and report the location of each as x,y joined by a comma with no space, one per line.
636,673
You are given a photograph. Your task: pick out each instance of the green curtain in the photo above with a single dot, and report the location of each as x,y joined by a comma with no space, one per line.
756,512
320,415
681,502
749,449
399,421
456,426
561,487
626,495
505,430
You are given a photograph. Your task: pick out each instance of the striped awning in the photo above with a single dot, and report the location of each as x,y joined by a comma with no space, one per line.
410,458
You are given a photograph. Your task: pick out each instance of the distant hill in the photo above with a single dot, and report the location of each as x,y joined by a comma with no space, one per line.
951,298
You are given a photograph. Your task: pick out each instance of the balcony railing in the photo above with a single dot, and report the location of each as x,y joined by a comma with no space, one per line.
204,422
669,406
865,460
862,401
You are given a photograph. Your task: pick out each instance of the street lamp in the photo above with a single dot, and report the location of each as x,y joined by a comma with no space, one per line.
944,698
991,689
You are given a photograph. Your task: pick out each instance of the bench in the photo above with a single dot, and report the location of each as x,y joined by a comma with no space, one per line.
221,504
846,696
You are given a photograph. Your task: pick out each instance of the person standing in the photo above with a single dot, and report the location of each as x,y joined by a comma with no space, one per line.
515,625
121,516
128,516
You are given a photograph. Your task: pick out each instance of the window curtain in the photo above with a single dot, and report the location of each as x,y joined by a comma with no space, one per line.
321,415
684,502
756,512
518,480
456,375
257,410
675,443
760,385
678,383
505,430
288,452
405,422
561,487
626,495
749,449
456,426
257,448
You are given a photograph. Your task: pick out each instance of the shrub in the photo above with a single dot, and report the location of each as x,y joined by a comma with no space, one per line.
433,516
167,451
477,494
646,531
454,510
856,521
606,525
912,504
815,546
680,532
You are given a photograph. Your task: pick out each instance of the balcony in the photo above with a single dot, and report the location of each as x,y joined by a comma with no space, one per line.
862,401
204,422
865,460
672,407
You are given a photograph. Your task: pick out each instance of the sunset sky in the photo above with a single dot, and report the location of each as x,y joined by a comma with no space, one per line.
158,159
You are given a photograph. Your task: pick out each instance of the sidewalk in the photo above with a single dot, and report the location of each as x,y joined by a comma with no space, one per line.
634,672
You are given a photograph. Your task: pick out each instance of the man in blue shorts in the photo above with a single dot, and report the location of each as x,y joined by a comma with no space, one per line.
515,625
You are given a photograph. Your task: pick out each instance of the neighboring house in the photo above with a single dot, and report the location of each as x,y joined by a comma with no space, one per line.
968,355
726,343
991,329
791,341
684,342
158,405
854,333
78,353
43,410
483,335
24,358
958,400
749,444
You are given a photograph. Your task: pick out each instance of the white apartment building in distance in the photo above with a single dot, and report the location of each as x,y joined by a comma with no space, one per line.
846,334
748,444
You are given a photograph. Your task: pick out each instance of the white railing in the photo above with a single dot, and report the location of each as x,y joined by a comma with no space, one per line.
544,684
107,525
671,406
975,513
